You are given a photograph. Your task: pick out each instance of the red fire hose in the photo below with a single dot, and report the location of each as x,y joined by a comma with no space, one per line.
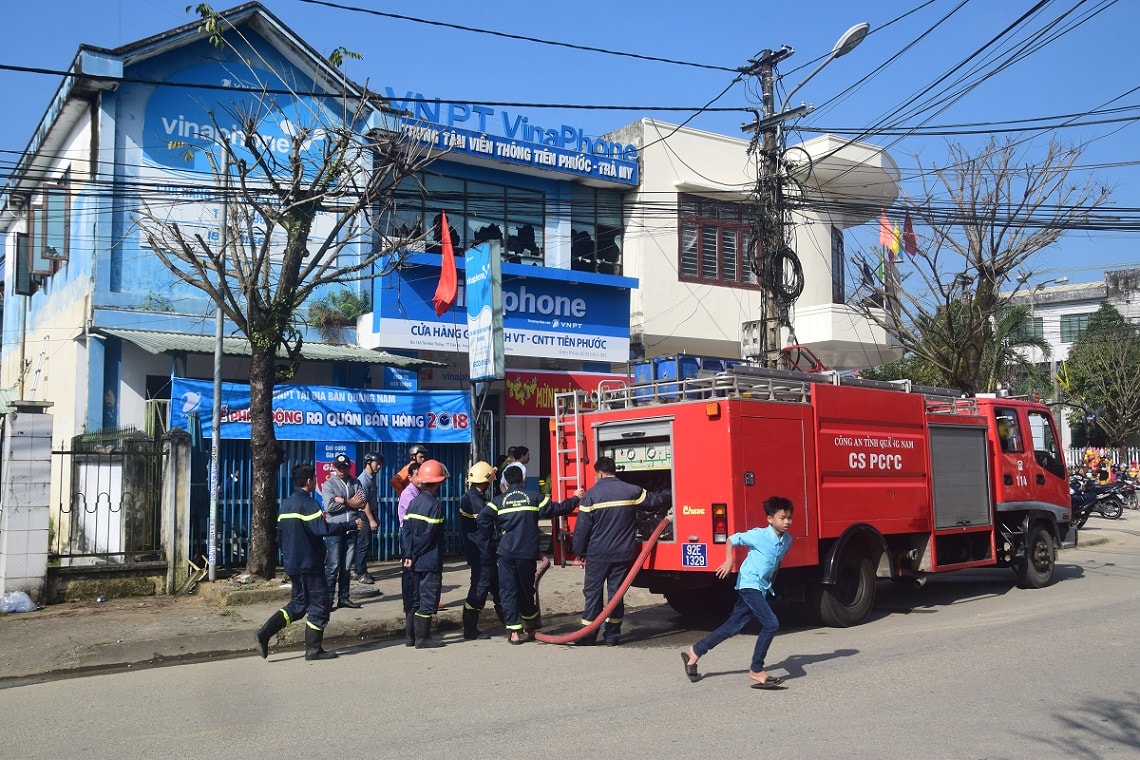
588,630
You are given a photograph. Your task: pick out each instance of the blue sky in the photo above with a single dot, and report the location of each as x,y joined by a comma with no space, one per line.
1092,66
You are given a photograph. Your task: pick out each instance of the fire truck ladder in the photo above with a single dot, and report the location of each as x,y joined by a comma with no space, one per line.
570,450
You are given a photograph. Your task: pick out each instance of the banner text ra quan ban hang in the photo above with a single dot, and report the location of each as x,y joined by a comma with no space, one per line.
326,413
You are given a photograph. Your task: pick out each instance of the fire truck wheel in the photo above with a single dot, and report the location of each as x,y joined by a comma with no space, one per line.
1035,569
849,600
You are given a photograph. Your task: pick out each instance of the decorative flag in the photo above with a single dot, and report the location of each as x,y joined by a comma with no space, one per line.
896,235
909,241
886,234
448,288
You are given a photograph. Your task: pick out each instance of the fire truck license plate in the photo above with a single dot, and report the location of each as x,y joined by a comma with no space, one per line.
695,555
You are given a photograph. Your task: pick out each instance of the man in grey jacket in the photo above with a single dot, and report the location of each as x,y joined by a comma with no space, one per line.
343,501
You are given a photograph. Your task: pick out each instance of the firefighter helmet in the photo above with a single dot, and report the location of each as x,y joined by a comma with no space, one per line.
481,472
432,471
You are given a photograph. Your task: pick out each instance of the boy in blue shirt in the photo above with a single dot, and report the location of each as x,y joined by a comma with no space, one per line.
766,547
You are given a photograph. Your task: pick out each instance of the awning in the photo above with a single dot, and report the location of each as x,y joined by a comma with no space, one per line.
156,342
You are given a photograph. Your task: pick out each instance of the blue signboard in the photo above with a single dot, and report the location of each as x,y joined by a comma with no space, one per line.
325,413
484,290
551,313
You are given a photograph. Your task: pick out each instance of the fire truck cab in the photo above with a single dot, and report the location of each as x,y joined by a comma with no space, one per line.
889,480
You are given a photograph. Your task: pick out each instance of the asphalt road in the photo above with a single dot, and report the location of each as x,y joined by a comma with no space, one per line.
968,667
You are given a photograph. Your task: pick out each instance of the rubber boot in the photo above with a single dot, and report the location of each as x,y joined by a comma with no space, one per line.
471,625
423,633
266,632
313,649
409,629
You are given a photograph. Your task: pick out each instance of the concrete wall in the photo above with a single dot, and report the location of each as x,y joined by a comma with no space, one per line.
24,500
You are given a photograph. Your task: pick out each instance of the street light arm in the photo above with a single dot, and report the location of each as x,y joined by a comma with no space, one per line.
844,45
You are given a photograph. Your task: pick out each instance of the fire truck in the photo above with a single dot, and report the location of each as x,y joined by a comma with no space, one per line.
889,480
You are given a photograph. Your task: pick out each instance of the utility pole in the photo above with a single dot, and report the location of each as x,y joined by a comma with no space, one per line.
776,265
768,219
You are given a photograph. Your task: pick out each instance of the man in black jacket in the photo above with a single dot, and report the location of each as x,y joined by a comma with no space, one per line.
606,532
514,515
301,530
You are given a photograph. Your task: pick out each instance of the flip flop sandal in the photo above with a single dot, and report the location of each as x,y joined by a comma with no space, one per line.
772,683
516,638
690,670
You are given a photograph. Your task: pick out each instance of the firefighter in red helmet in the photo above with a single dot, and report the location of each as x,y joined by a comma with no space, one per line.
422,540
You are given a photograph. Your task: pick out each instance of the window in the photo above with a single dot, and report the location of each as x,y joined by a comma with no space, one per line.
476,213
597,229
713,242
1033,328
25,285
1046,451
1073,325
54,232
38,263
838,267
1009,431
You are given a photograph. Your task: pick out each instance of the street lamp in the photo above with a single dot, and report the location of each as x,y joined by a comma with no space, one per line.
844,45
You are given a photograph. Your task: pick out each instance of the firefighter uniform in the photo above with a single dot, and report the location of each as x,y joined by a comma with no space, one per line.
605,538
301,530
514,517
422,539
479,549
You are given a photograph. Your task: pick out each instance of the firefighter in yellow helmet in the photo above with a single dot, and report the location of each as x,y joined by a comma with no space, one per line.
479,547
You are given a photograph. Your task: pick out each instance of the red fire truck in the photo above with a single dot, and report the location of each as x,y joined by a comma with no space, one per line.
888,480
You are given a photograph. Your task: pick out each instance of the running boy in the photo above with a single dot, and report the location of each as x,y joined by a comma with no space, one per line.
766,547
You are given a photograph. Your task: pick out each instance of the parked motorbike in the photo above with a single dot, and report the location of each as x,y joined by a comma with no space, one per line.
1088,498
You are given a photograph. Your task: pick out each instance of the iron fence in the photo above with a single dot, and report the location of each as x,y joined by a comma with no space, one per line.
107,497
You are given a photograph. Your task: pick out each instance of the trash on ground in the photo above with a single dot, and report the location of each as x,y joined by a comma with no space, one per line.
17,601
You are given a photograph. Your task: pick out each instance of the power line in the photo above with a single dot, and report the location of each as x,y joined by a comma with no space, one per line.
519,37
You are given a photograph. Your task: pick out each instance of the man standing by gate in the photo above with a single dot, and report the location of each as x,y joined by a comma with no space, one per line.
373,461
344,501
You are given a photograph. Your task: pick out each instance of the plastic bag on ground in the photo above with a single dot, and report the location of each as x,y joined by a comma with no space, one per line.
17,601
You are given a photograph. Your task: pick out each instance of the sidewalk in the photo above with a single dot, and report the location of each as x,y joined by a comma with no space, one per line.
219,619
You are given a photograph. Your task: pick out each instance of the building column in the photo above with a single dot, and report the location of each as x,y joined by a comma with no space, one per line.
26,499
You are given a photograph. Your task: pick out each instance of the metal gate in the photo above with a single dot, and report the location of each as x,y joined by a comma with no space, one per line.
107,492
236,478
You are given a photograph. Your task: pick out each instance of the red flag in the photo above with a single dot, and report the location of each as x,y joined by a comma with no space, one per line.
886,232
448,288
909,241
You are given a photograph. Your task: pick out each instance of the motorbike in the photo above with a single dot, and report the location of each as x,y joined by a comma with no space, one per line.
1088,498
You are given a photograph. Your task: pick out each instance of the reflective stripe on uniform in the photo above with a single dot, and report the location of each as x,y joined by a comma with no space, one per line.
608,504
425,518
299,516
526,508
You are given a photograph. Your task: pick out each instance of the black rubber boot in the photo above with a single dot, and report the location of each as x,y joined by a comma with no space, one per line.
471,625
423,633
409,629
266,632
313,649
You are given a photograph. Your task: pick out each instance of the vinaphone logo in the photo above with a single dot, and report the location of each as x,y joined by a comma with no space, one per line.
181,126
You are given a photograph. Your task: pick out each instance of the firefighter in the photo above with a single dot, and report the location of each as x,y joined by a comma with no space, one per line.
479,548
422,539
301,530
400,481
606,533
514,517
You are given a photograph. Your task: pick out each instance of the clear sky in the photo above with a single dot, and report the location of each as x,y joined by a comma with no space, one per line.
1073,56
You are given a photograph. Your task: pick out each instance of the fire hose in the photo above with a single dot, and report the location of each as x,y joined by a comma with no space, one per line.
596,623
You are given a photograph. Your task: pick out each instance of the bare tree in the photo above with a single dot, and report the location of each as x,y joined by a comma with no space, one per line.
304,211
987,214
